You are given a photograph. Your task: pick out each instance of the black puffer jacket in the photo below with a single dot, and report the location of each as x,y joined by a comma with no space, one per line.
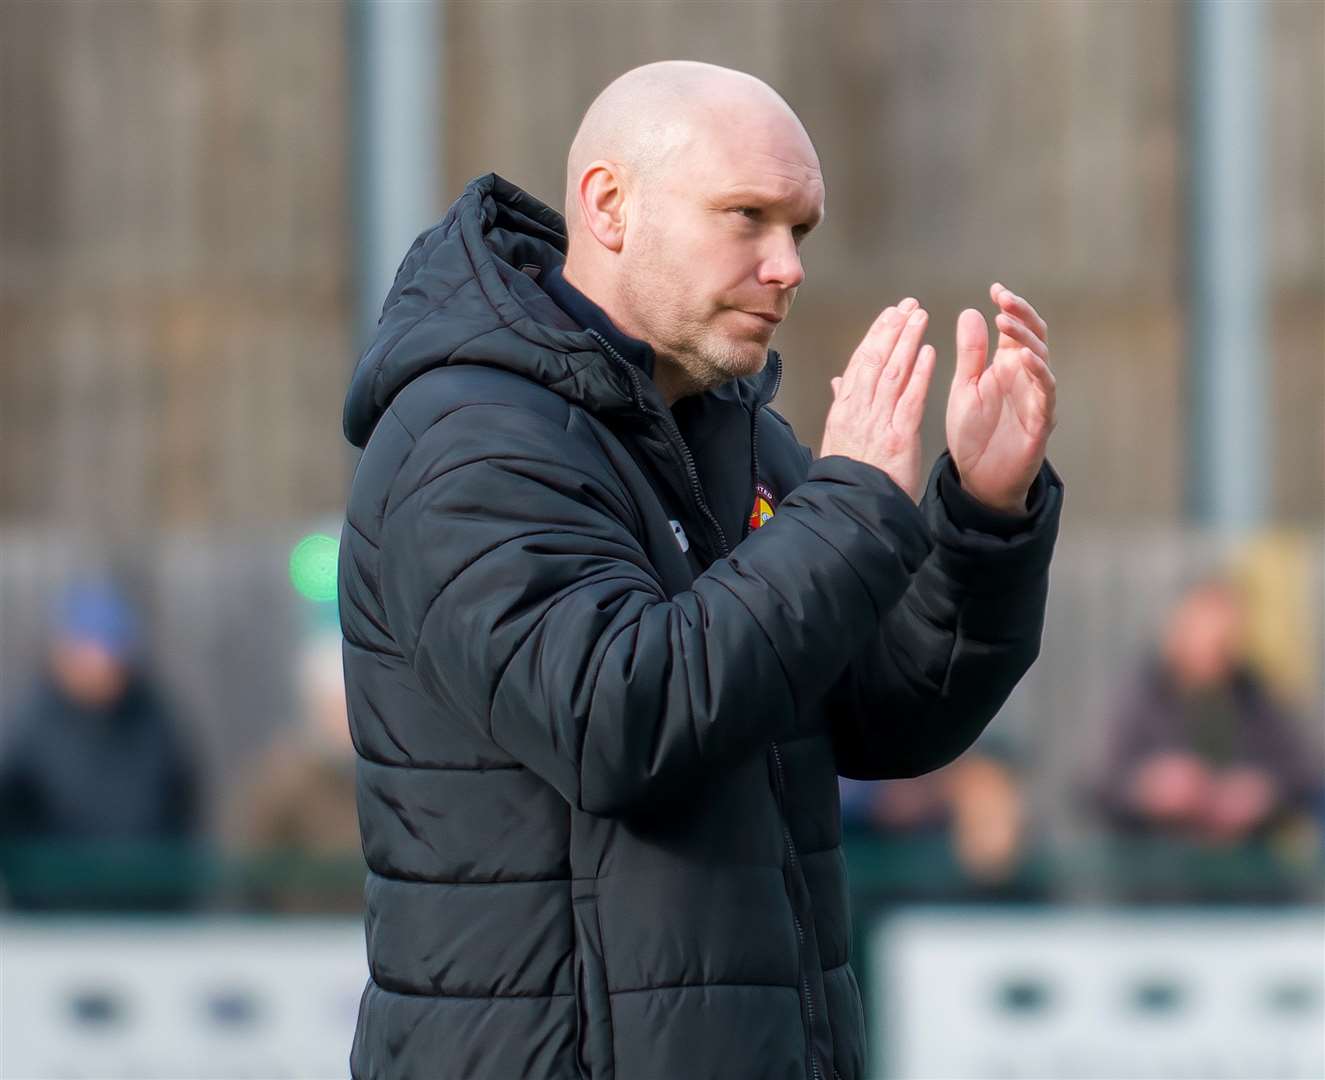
599,724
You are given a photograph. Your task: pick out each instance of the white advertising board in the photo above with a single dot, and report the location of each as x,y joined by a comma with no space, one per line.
1076,995
153,998
967,994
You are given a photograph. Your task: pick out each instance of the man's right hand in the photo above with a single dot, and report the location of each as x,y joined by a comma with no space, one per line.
880,398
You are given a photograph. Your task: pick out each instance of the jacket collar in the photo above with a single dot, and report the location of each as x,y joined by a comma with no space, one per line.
590,316
750,392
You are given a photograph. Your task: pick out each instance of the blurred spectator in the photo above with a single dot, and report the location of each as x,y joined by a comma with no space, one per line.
98,794
1200,753
299,820
958,832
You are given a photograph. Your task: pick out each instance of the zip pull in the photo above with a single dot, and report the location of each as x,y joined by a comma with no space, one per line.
674,436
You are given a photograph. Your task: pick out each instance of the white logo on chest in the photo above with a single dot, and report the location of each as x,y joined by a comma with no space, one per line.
680,535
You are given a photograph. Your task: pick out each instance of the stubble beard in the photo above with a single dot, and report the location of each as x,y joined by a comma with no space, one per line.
694,347
706,357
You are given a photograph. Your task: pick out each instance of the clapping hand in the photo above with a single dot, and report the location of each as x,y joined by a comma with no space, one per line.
1000,414
879,399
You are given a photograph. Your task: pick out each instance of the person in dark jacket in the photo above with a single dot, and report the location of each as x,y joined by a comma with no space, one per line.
612,632
1207,778
1200,748
98,787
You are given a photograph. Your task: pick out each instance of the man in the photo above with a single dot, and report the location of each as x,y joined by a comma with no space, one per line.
611,634
98,785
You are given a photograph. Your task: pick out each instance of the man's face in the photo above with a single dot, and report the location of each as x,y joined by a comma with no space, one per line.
713,253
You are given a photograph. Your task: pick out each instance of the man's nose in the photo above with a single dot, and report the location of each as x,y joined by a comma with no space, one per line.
782,266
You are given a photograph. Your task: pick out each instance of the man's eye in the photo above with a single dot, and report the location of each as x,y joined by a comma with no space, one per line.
751,212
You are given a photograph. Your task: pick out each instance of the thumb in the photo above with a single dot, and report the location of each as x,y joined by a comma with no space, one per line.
972,345
836,385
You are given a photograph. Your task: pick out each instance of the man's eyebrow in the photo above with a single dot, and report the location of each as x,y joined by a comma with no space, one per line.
766,198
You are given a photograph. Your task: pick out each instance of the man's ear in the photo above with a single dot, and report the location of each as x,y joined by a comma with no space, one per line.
603,204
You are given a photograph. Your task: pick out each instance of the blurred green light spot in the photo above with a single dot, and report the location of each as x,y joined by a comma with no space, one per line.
313,567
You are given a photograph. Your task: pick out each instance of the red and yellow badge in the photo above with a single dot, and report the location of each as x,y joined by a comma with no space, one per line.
763,507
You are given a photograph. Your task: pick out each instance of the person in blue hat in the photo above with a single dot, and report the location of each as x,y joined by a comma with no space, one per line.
98,788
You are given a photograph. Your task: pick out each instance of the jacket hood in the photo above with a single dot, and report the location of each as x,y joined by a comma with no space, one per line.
467,292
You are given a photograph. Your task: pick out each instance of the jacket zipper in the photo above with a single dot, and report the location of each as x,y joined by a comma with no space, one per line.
697,493
777,753
674,437
754,439
800,930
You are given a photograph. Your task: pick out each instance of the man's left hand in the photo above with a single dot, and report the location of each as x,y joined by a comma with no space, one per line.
1000,415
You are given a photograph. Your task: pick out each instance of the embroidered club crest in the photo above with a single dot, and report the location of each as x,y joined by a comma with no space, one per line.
763,507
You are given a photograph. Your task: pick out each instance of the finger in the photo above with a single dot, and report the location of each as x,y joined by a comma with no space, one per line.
865,353
972,345
908,305
1039,373
868,361
1027,381
911,405
1019,307
1021,334
895,375
1033,395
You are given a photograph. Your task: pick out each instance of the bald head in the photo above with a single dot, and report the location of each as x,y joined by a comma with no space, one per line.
689,188
661,114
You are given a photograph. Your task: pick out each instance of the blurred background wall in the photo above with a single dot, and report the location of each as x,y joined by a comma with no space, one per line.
175,209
